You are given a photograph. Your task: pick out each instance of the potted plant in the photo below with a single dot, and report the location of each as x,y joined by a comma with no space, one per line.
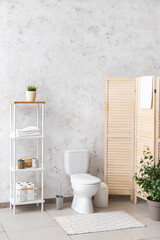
31,93
148,178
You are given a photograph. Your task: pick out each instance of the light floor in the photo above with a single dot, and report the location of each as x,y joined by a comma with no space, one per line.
30,223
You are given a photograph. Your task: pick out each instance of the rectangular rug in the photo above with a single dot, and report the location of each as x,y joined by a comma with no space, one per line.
97,222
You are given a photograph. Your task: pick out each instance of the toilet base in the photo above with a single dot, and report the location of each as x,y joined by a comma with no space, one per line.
82,205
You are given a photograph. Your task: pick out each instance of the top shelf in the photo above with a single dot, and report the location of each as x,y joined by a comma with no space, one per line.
27,102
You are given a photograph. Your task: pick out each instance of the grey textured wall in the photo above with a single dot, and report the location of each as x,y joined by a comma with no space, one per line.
67,48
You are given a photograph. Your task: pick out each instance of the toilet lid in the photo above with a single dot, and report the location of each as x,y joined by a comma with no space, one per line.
85,179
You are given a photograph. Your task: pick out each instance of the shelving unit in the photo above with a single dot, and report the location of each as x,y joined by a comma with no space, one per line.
26,169
13,160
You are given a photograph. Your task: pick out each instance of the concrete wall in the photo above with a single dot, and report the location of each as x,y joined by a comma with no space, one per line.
67,48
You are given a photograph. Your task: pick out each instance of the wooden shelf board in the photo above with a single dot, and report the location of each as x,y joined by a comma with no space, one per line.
27,102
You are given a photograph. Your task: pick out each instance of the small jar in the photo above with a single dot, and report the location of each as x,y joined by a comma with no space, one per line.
35,162
21,164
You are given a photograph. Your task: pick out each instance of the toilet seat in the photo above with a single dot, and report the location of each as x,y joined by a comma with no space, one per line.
85,179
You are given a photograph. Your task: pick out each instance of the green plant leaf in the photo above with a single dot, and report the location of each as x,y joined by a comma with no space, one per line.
148,176
31,88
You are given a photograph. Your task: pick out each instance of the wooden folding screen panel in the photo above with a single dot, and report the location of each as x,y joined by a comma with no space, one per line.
120,135
157,133
144,129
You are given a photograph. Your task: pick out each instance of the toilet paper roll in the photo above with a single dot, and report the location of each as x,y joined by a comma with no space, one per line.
30,185
18,183
26,183
21,194
20,187
30,193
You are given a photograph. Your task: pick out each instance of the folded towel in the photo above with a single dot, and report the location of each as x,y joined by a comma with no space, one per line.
146,92
30,128
28,134
28,131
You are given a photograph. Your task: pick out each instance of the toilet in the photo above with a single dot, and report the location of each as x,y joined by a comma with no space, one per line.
84,185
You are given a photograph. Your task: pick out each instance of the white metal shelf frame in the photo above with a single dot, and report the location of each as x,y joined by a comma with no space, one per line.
13,169
26,169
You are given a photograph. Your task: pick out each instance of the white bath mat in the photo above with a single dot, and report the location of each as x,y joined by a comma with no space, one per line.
97,222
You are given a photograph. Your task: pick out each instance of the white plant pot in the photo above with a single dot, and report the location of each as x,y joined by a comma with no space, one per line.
30,96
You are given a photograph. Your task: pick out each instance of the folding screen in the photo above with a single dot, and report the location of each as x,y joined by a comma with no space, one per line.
120,135
157,132
128,129
144,128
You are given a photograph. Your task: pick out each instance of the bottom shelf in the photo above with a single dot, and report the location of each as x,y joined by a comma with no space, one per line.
26,202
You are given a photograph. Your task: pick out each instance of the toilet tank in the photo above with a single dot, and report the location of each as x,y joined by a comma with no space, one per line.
76,161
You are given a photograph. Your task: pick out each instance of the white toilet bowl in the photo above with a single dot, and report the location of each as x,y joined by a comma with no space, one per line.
85,186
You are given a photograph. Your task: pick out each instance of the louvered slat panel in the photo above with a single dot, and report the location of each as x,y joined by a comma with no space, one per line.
145,129
119,135
157,158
